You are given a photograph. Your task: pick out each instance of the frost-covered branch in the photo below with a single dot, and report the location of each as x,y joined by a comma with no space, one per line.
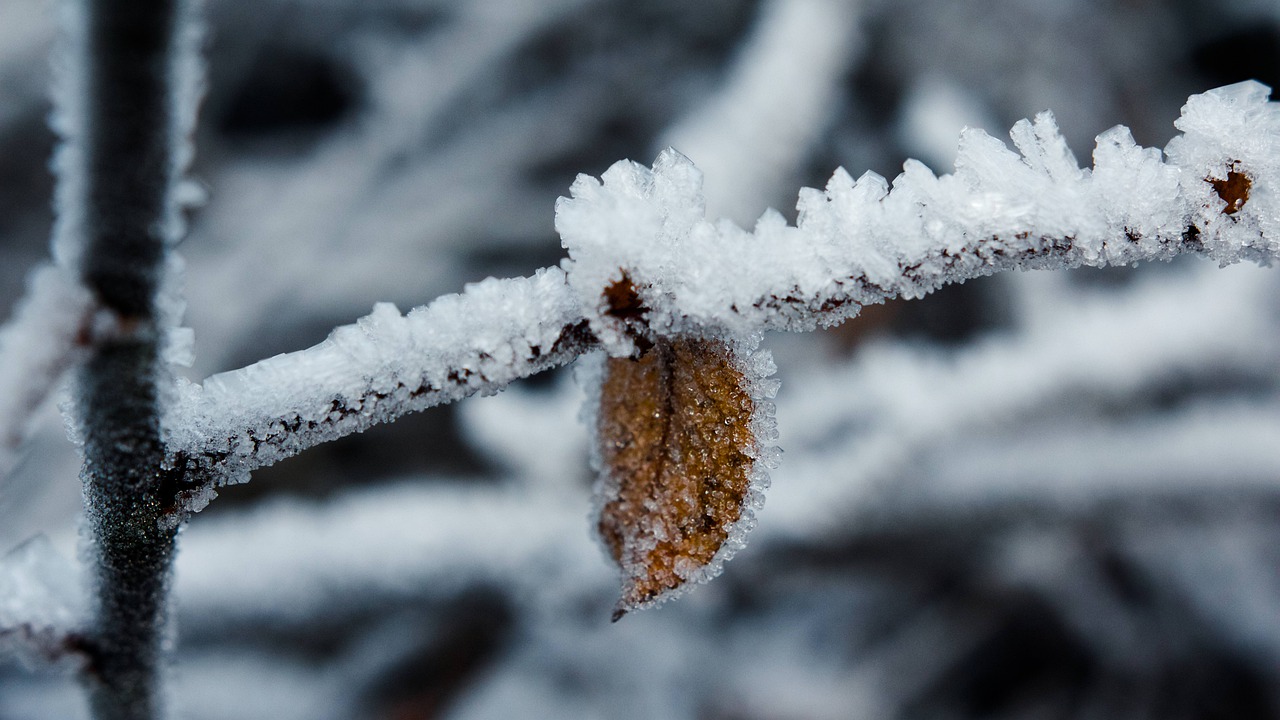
41,606
37,346
644,261
376,370
647,262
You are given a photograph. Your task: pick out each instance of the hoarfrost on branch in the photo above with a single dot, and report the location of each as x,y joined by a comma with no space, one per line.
856,243
860,242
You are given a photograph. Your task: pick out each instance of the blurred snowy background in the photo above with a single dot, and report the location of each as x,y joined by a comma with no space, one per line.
1034,496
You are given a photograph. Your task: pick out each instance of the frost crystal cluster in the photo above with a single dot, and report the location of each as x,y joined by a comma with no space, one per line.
380,368
644,230
41,602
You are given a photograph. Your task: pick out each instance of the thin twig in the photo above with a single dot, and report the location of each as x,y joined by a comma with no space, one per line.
375,371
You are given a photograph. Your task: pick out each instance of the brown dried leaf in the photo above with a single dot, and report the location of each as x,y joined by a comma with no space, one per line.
1234,190
677,450
623,299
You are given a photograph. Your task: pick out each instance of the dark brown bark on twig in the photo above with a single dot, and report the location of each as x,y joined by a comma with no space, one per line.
129,164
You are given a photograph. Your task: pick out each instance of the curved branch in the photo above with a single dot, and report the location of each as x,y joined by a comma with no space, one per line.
644,262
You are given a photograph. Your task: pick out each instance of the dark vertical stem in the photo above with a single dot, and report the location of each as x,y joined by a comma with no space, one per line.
124,508
130,157
129,164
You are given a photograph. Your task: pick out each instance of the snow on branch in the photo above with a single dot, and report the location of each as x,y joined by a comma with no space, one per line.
647,262
380,368
41,605
37,346
644,262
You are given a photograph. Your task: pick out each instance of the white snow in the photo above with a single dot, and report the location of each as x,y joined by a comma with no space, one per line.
67,120
41,601
36,347
382,367
1232,126
859,242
